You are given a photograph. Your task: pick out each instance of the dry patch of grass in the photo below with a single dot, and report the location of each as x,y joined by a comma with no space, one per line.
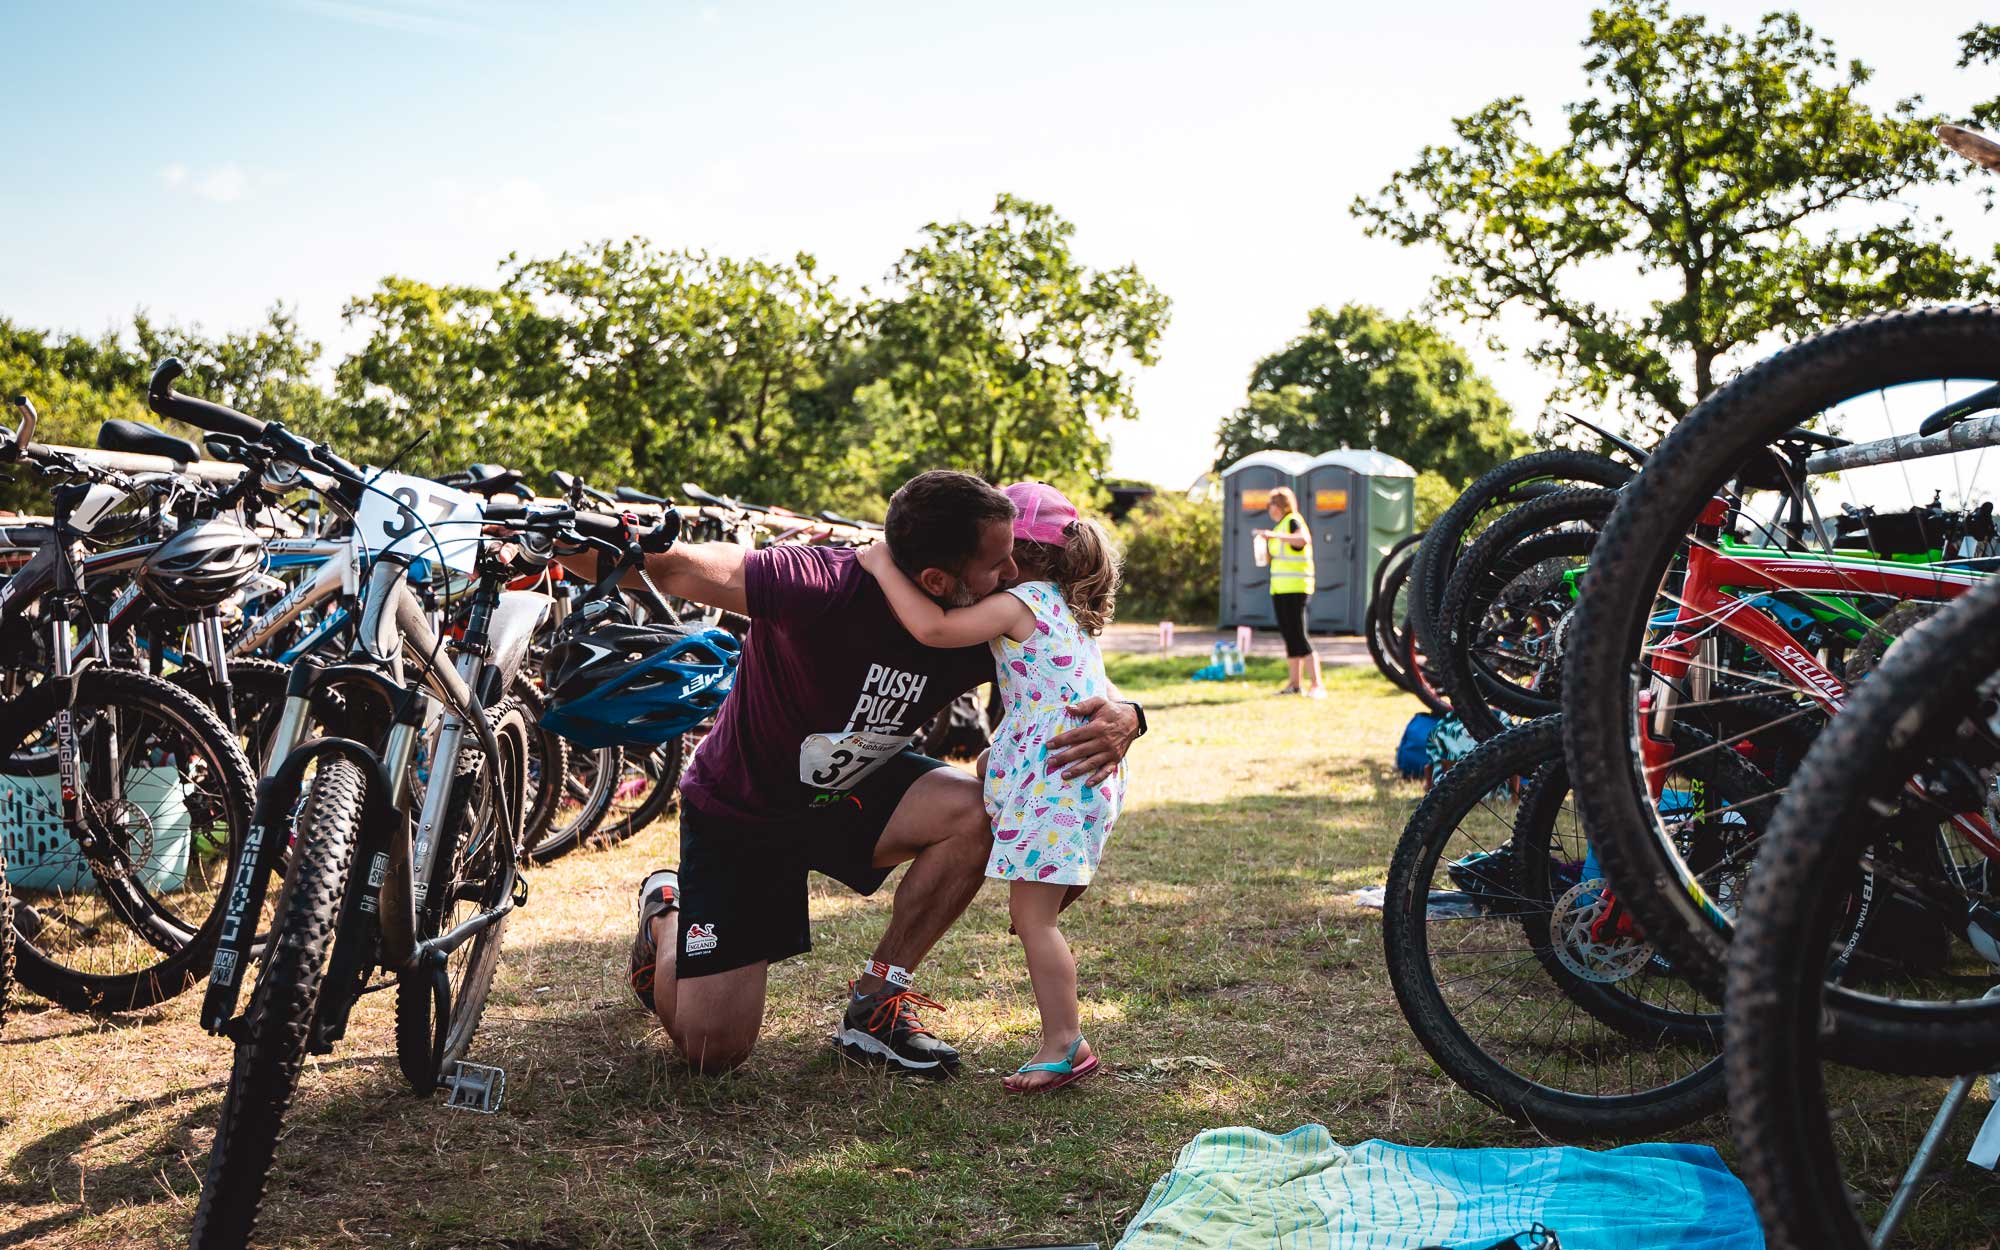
1223,980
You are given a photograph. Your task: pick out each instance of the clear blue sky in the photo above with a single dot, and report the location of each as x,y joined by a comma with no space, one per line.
203,160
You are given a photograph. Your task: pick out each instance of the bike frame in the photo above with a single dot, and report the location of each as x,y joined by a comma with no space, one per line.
379,918
1716,595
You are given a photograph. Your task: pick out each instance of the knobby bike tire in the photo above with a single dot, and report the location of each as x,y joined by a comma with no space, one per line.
1380,624
551,751
185,957
596,805
1914,703
1448,534
473,800
1777,1002
1401,642
1645,1023
1482,572
1405,914
661,794
257,688
1645,533
278,1024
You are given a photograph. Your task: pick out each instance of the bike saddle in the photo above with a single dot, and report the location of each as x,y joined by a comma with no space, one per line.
1961,410
144,440
625,494
490,480
699,495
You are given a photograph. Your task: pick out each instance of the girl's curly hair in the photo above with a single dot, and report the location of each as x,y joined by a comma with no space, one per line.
1085,567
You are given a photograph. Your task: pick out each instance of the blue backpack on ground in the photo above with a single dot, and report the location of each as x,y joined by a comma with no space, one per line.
1411,753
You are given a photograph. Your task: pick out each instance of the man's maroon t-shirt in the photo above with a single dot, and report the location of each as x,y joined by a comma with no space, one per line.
829,682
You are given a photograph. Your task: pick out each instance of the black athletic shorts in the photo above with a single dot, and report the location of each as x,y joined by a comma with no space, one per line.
1291,610
743,885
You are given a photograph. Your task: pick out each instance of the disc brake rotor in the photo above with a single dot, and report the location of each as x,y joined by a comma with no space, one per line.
1571,922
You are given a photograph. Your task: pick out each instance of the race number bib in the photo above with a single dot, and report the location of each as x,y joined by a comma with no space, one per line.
839,761
416,517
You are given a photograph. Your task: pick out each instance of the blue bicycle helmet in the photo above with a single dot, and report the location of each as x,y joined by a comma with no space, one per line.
623,685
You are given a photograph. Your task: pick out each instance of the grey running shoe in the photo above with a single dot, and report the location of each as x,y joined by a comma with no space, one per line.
659,894
882,1029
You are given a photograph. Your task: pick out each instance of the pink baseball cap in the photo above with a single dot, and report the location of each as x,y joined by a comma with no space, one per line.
1041,514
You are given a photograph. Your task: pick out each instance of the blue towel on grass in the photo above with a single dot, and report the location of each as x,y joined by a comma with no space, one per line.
1241,1189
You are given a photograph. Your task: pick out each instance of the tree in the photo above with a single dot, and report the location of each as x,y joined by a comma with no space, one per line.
1740,171
1357,378
265,372
1004,356
623,364
1172,554
1981,46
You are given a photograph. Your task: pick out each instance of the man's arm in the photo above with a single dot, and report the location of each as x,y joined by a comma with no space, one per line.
706,573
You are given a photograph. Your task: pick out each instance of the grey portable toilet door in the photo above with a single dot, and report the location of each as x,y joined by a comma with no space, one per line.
1249,587
1330,502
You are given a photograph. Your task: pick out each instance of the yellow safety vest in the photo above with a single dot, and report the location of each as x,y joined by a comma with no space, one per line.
1291,570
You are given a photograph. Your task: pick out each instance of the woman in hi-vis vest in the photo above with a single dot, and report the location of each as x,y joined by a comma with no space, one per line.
1288,545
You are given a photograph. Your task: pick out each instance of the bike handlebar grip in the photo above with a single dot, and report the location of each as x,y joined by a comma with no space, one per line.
332,460
200,413
661,537
597,525
504,510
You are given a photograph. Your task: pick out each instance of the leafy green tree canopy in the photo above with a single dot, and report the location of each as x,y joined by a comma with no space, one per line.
1004,355
1358,378
1740,169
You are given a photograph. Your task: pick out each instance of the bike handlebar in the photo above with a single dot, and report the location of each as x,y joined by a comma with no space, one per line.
200,413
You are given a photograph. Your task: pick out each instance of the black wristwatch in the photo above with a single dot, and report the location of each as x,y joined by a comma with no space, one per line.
1140,710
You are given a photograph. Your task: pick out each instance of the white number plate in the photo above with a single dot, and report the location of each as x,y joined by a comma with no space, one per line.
447,533
838,761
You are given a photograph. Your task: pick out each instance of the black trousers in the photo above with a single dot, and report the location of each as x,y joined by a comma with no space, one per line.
1291,610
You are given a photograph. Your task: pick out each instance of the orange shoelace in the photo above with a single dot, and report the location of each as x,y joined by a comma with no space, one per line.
901,1007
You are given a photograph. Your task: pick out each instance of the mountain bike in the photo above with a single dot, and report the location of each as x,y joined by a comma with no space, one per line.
378,864
127,798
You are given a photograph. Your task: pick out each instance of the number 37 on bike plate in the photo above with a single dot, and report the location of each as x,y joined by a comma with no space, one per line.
839,761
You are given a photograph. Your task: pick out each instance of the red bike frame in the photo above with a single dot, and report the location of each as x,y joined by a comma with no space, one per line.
1712,598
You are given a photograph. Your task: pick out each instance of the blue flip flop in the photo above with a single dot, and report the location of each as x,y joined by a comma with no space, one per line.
1067,1069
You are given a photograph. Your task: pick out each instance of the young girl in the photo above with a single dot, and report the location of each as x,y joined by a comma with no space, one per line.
1048,830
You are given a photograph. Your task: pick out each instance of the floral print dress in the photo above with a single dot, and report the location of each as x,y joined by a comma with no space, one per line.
1046,827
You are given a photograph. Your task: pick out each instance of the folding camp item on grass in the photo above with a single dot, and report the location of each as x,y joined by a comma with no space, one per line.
1249,1190
153,822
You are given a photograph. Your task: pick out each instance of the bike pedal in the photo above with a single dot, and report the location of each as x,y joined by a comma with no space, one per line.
475,1087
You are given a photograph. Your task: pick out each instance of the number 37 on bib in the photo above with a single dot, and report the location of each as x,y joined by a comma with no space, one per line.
838,761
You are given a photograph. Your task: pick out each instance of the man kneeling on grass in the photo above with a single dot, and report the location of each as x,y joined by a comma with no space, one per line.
809,769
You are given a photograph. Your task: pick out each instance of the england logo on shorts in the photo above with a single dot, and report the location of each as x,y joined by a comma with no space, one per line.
701,939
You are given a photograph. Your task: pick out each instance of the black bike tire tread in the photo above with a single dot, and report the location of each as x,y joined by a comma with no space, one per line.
1781,1126
1410,974
1446,536
1651,521
176,973
1469,578
265,1072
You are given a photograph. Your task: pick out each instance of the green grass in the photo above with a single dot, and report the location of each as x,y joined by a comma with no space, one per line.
1224,980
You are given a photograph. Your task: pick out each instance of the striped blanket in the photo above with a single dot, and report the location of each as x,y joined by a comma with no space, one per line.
1241,1189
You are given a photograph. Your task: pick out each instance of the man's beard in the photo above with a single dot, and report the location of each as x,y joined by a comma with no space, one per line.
959,597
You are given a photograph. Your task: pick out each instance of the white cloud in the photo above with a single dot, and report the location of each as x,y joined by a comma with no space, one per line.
218,184
224,184
390,16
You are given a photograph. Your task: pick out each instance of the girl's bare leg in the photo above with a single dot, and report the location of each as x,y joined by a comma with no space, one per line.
1034,906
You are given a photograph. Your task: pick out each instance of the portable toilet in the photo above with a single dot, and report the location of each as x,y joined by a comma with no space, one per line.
1246,493
1358,504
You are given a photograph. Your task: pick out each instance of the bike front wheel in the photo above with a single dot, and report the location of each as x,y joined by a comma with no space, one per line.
278,1025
